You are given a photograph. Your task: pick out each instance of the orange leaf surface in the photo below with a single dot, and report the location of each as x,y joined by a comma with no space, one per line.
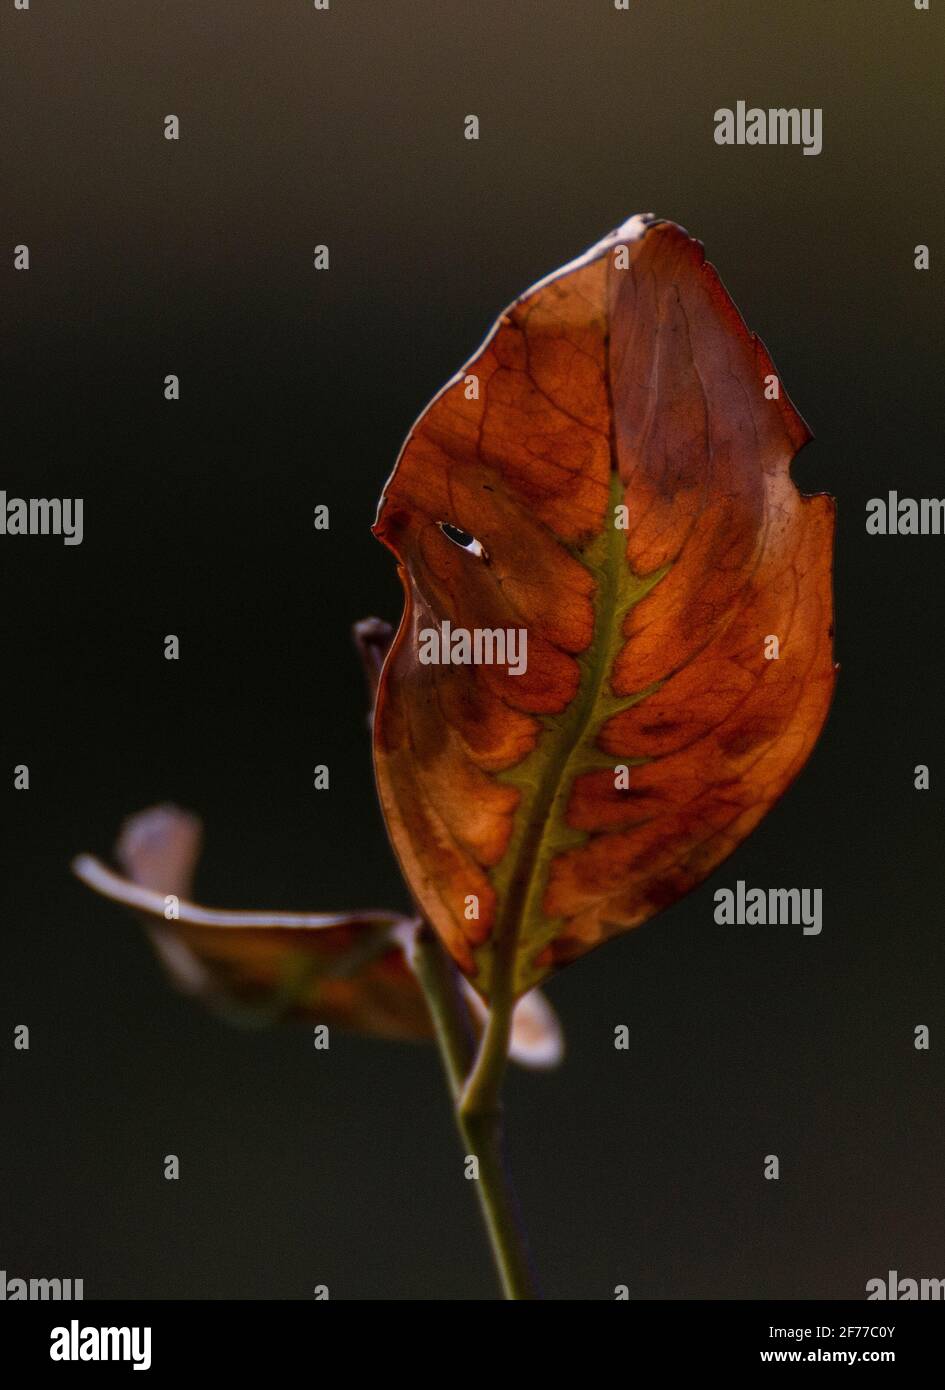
626,380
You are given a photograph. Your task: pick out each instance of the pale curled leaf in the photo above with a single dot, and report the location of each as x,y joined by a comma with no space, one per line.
536,1040
160,848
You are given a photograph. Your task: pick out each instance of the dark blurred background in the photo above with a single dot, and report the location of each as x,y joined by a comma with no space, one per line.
150,257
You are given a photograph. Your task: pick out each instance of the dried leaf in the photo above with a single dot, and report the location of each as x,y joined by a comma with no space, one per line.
626,379
349,970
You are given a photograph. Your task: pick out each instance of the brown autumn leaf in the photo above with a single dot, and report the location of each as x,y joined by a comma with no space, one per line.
344,969
350,970
626,379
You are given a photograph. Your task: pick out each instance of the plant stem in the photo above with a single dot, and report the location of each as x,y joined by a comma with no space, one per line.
480,1123
480,1095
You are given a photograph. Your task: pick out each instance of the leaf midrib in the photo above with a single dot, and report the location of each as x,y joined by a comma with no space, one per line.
545,832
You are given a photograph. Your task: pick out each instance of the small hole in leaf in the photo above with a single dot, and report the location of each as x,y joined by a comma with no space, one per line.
461,538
